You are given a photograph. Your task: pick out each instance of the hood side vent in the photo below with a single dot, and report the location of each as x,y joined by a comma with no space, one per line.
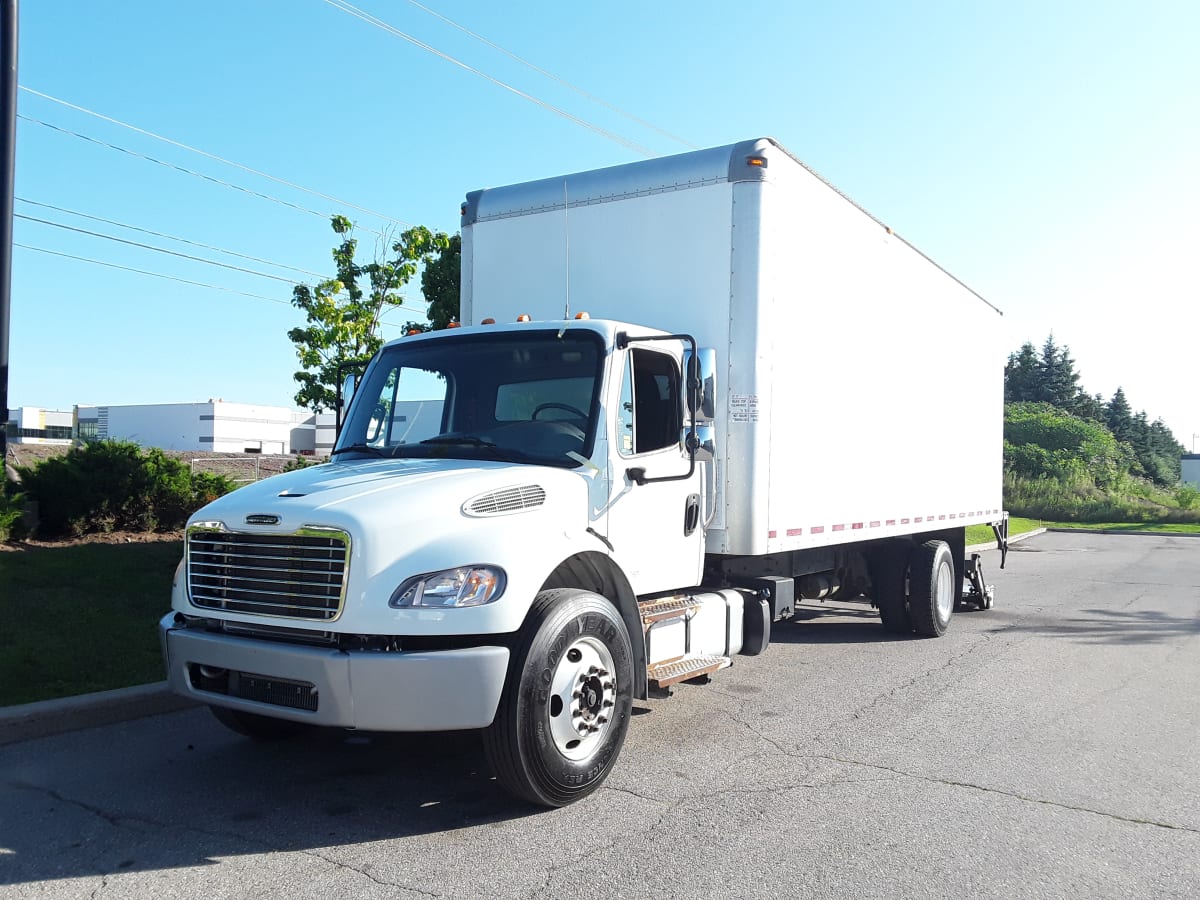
506,500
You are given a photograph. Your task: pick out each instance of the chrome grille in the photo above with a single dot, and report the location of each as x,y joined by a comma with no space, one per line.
299,576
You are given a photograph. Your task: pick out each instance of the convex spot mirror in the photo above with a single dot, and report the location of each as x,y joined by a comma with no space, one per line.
703,365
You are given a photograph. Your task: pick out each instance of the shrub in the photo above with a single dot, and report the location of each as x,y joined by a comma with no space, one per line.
115,485
1187,496
12,505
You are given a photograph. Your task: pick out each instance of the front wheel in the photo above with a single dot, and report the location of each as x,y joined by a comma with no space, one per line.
565,709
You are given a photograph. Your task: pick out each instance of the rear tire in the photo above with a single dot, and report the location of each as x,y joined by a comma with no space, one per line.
889,573
260,728
932,590
566,705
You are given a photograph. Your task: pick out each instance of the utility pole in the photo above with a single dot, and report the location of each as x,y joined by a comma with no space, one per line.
8,158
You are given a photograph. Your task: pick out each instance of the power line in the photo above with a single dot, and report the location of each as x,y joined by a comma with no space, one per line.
109,237
169,237
214,287
592,97
110,265
379,23
194,174
213,156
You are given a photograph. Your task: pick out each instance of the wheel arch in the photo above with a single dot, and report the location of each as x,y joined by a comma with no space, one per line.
593,571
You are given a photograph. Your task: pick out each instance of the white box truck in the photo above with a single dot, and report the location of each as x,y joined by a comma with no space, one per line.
687,394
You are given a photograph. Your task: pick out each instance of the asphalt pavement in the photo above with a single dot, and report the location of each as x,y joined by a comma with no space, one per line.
1045,748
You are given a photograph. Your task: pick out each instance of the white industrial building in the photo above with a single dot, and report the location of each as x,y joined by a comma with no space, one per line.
214,426
34,425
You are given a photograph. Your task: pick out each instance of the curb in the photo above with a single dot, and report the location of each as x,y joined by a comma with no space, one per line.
991,545
48,717
1182,534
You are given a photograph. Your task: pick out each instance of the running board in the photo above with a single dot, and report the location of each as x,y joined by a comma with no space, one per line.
666,673
666,608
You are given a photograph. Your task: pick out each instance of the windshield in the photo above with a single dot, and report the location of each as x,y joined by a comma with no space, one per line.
523,397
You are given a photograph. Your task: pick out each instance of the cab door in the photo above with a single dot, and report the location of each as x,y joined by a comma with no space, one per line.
654,528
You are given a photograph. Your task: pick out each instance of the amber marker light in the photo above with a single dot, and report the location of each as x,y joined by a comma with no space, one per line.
760,161
524,317
488,321
453,325
582,315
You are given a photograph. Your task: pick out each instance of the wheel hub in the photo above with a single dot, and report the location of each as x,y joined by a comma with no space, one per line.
583,693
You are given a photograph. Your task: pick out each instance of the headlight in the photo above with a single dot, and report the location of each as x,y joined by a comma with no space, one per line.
464,586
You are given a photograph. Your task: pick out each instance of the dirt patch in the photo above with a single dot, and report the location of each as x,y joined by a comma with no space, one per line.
113,537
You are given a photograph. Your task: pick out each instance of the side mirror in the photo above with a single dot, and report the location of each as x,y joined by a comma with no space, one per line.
701,367
706,442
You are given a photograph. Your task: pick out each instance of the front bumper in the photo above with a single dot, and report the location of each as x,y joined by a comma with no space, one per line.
441,690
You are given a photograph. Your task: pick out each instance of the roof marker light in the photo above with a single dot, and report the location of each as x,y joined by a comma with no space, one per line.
582,315
454,325
524,317
760,161
488,321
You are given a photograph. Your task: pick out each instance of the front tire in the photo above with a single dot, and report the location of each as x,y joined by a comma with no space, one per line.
565,710
931,588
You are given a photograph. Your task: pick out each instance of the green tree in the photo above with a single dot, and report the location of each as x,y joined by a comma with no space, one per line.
1022,376
1058,382
343,312
1119,416
440,283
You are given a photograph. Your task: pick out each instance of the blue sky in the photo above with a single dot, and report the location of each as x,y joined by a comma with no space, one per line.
1045,153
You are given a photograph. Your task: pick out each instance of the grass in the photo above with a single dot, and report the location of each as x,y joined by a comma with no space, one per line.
1155,527
82,618
982,534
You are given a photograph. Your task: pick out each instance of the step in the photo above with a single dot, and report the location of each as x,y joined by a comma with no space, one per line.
666,608
665,673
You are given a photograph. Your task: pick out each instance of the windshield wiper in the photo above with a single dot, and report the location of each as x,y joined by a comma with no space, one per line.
361,448
464,440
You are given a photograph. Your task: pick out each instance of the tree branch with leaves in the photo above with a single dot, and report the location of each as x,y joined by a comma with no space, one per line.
343,313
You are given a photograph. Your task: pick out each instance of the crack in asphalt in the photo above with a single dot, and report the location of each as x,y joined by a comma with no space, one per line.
116,820
337,863
124,821
950,782
102,886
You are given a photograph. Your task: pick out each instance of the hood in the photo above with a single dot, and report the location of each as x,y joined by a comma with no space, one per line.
347,493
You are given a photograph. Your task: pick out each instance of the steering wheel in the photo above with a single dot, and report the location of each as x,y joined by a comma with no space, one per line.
564,406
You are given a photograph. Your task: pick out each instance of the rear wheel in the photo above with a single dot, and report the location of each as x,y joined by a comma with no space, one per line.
931,588
565,709
889,575
260,728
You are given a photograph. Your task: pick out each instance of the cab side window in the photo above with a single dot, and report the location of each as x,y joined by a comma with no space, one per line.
650,416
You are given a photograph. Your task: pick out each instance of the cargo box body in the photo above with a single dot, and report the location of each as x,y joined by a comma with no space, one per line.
860,384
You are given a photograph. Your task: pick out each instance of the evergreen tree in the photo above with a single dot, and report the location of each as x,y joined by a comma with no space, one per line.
1119,417
1021,375
1058,382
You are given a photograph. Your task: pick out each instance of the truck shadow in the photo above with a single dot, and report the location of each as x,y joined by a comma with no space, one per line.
185,793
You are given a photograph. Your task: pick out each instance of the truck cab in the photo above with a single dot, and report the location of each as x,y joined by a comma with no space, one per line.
478,470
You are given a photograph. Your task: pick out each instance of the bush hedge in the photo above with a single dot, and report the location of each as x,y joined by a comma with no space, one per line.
106,486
